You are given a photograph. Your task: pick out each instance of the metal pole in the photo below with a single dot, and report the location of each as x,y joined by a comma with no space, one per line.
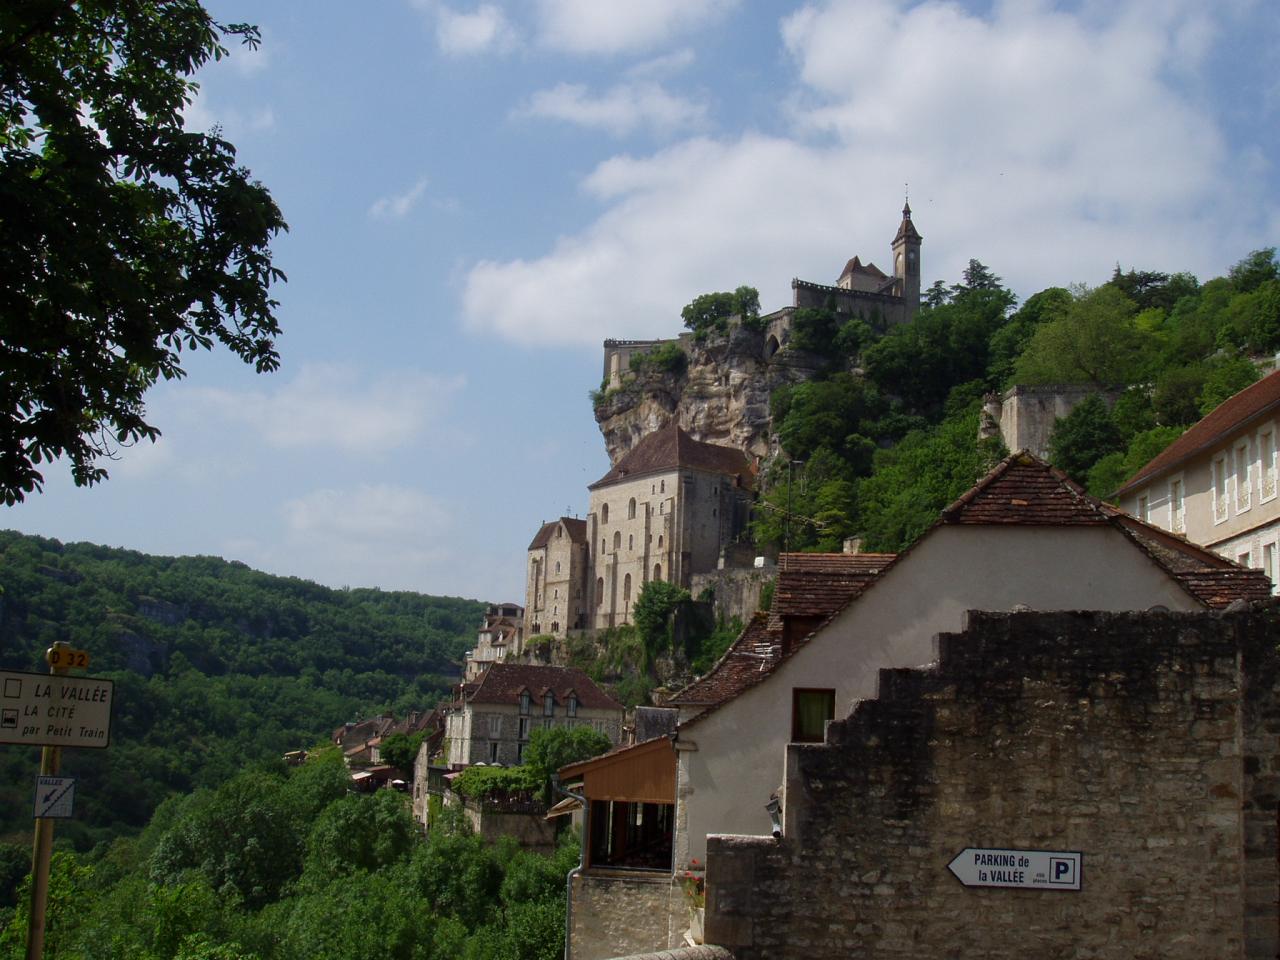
42,847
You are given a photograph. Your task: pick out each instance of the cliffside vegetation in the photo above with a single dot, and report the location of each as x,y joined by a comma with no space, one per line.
880,441
215,666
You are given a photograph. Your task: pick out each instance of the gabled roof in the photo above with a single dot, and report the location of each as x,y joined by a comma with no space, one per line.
574,527
504,682
1227,417
1021,489
671,448
816,584
857,266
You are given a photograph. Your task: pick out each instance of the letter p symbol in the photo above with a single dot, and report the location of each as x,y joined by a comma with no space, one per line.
1062,870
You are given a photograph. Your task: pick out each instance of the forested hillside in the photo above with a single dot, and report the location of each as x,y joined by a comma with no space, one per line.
887,434
216,666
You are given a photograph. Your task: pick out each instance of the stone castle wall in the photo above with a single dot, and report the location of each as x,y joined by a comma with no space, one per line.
1145,742
613,915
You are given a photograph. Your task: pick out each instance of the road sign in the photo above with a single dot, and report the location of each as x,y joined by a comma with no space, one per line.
1022,869
47,710
55,797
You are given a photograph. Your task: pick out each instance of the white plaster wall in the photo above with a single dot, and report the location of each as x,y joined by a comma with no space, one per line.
740,758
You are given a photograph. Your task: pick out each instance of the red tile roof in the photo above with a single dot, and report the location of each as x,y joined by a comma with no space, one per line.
857,266
576,528
818,584
671,448
504,682
1021,489
1227,417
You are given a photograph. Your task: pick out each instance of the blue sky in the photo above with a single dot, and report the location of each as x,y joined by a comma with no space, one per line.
478,195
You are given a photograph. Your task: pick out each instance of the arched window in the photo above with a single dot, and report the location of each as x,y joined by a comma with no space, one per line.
549,704
626,591
604,513
617,540
631,541
572,705
603,546
526,702
599,591
662,486
631,509
557,566
659,541
657,571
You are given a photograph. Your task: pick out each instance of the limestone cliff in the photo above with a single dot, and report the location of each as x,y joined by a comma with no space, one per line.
721,397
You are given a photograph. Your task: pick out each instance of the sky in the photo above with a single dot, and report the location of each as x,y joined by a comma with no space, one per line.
479,194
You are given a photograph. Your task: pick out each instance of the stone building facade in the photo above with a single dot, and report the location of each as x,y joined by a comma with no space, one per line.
1143,744
665,511
491,719
556,579
1217,483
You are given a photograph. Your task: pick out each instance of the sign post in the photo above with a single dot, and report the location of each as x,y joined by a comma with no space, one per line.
52,711
1021,869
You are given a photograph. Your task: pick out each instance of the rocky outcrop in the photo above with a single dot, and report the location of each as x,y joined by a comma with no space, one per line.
721,397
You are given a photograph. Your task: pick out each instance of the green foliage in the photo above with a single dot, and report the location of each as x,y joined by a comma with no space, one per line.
484,782
550,749
1083,437
134,238
1258,268
1112,470
712,647
360,832
1224,379
710,312
215,666
913,481
652,613
401,749
1093,341
766,594
665,358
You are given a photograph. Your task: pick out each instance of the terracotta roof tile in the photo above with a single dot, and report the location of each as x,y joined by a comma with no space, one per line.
818,584
1225,418
575,527
1021,489
754,652
504,682
671,448
857,266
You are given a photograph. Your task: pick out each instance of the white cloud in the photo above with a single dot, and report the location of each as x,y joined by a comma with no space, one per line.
201,116
620,110
373,533
1047,144
332,406
485,29
396,206
622,26
664,65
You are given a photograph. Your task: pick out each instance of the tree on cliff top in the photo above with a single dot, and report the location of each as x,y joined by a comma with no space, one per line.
711,311
126,237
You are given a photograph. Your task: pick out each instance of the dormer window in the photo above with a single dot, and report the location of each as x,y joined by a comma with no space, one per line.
571,708
526,702
549,704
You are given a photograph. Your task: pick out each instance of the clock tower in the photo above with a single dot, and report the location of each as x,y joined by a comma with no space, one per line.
906,262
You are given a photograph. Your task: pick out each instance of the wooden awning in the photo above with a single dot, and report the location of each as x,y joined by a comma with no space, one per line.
642,773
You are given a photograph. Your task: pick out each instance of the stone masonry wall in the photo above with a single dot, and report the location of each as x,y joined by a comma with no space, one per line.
1148,742
615,914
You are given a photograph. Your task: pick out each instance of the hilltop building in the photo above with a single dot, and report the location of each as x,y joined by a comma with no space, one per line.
862,289
1216,484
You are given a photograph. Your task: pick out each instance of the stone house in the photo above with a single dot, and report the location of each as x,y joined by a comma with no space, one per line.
492,718
665,511
1056,784
556,579
1025,537
501,635
1216,484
